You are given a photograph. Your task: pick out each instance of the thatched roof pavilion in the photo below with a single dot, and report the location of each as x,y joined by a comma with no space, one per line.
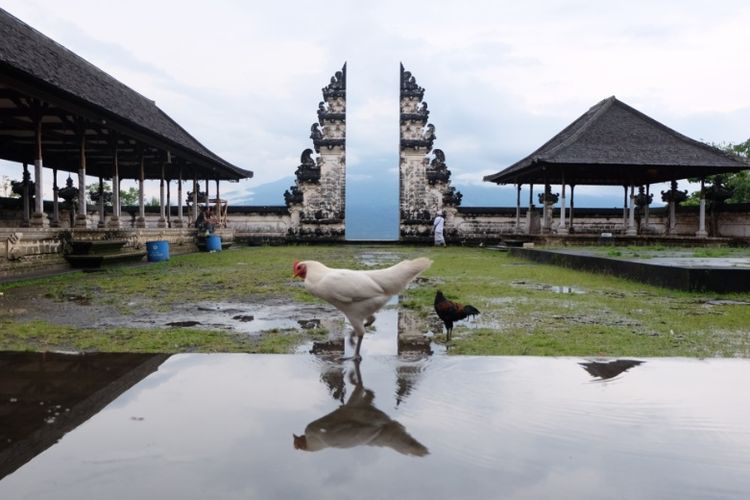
41,79
613,144
59,111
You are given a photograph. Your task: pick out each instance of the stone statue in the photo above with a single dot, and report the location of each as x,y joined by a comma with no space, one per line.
315,133
306,158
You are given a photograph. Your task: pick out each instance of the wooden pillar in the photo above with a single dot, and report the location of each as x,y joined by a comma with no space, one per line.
26,217
632,231
114,221
55,222
162,220
570,225
646,210
702,233
218,204
562,228
208,198
625,210
179,222
530,211
102,213
196,185
38,219
169,202
140,222
518,208
81,221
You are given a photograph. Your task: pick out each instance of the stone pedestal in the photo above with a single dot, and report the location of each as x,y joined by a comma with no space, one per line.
81,221
39,220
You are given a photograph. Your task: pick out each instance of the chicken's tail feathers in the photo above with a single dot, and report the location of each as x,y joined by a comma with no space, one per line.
413,267
421,263
471,310
395,278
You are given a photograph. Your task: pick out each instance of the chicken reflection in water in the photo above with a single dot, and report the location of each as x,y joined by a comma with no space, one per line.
357,422
604,370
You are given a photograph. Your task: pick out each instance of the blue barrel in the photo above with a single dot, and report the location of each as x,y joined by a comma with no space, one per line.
157,251
213,243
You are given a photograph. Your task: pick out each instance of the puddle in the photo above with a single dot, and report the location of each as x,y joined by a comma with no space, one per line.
563,289
250,319
548,288
394,332
701,262
379,259
441,427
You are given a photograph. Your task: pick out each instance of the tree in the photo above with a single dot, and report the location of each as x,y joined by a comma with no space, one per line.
739,181
5,186
93,191
129,197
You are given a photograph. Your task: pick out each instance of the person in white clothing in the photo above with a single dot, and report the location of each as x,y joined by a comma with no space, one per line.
437,229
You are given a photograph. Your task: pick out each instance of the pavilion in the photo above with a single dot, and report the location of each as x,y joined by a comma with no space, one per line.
613,144
59,112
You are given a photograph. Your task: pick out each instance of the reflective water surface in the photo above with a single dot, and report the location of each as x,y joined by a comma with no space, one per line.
253,426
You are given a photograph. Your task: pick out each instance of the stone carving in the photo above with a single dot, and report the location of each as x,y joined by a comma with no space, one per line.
674,195
308,170
548,197
438,171
429,135
409,87
425,141
452,197
14,246
320,138
315,133
328,113
293,196
642,200
418,114
201,197
337,87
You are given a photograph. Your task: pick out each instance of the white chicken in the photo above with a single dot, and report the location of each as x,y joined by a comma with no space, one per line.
358,294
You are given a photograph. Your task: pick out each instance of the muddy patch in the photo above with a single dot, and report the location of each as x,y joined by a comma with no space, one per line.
543,287
250,318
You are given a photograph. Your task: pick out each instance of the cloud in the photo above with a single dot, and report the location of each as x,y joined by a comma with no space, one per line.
500,77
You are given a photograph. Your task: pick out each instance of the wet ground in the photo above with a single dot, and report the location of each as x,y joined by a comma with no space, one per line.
395,328
673,258
240,426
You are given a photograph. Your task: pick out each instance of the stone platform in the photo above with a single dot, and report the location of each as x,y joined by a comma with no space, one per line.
683,273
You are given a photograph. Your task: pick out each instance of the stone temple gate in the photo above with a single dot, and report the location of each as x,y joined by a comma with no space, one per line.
316,202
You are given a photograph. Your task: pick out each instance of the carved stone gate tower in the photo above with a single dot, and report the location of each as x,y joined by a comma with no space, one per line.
424,181
316,201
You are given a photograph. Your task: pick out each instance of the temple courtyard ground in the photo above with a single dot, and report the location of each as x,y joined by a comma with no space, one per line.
245,300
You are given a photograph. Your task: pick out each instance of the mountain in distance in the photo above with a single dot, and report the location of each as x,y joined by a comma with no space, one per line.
372,202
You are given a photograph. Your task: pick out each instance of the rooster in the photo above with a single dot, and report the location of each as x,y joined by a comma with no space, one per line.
450,311
358,294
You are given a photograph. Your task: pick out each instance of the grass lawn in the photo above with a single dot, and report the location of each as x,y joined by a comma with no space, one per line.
523,309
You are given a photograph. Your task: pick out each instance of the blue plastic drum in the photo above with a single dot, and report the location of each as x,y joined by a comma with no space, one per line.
157,251
213,243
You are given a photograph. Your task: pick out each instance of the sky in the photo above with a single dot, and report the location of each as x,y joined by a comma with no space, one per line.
500,77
